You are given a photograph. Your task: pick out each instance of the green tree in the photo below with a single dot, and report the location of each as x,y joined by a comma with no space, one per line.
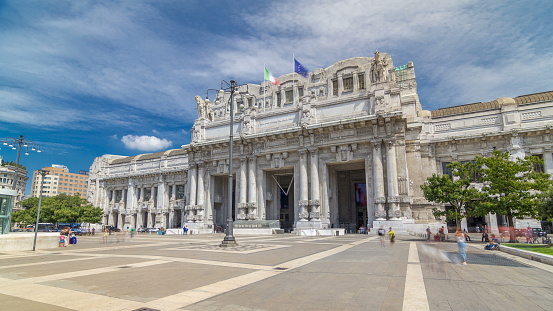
512,187
61,208
456,190
546,204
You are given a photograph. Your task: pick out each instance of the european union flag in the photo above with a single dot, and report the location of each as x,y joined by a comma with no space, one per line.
298,68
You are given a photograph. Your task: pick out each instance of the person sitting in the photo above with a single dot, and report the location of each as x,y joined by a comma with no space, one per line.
485,237
493,244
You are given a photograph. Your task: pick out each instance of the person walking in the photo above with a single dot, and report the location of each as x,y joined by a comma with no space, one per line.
462,245
105,237
392,236
428,233
381,233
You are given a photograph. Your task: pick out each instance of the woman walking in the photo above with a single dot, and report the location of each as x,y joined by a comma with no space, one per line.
462,245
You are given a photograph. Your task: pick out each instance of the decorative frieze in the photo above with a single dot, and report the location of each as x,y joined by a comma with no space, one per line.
442,127
531,115
488,121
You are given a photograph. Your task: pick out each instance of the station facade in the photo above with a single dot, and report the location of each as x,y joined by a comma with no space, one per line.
347,147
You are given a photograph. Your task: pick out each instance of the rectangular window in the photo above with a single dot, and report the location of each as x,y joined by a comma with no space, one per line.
334,87
278,98
300,91
348,84
539,167
180,192
289,96
446,170
361,78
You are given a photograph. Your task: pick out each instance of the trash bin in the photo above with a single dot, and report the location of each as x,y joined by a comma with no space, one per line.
73,240
337,232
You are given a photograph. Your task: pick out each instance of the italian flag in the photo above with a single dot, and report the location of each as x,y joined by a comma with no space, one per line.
269,77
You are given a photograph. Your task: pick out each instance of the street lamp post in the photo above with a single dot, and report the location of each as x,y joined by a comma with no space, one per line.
43,173
17,143
229,240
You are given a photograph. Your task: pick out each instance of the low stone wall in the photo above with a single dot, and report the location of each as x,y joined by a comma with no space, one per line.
547,259
24,241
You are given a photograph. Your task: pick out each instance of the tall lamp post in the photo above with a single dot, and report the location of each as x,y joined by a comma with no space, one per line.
43,173
229,239
18,143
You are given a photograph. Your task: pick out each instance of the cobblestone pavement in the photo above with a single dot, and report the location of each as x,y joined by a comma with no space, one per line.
278,272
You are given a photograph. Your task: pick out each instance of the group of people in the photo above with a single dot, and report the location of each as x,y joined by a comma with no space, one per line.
382,236
66,236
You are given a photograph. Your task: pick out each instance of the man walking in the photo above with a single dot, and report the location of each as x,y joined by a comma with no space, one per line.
381,233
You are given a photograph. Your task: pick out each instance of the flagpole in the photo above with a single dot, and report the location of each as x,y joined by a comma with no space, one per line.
294,73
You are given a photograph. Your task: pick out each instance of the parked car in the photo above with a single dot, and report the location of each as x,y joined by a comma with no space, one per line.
141,229
538,232
78,231
152,229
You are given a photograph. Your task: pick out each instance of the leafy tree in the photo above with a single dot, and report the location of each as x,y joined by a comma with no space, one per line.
456,190
512,187
546,205
61,208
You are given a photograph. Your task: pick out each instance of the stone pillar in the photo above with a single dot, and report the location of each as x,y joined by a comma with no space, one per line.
200,201
161,195
139,219
171,223
142,193
340,85
120,224
242,191
112,198
355,82
378,180
131,196
193,184
393,198
174,192
304,199
315,201
252,189
110,219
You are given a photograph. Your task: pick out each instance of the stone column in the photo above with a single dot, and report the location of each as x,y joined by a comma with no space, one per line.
252,189
355,82
112,198
242,191
120,224
315,201
304,199
131,196
378,180
193,184
161,194
200,201
340,85
393,198
174,192
139,219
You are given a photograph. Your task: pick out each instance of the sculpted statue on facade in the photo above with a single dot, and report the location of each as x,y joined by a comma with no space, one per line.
200,103
379,68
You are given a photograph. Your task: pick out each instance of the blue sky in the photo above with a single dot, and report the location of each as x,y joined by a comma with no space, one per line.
87,78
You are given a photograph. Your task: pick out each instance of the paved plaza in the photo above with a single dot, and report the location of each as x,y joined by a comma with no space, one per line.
278,272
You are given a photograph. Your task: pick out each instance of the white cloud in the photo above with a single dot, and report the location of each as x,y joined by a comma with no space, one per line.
145,143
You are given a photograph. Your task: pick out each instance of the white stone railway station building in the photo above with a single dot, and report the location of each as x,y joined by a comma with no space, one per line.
346,147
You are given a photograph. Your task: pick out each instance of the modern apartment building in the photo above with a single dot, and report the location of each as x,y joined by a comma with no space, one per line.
58,181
